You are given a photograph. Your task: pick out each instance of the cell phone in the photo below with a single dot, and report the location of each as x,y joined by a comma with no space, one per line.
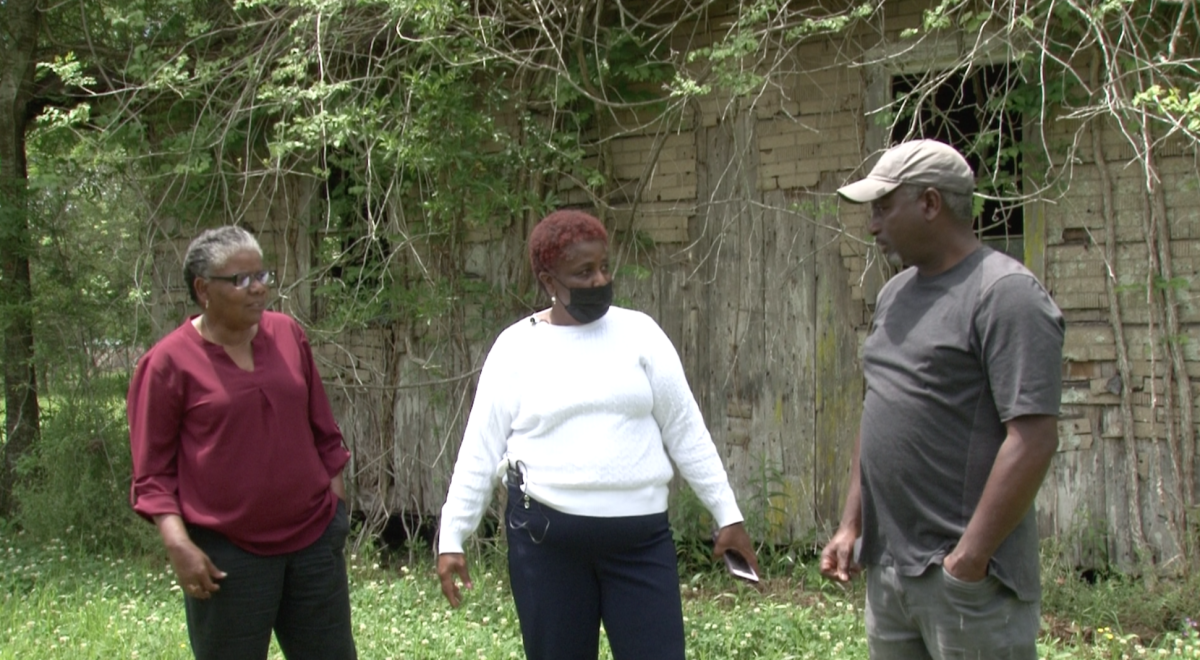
739,567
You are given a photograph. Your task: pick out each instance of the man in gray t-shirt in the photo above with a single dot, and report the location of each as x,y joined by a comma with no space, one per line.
959,424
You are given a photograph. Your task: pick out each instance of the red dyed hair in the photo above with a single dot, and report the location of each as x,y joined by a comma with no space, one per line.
557,231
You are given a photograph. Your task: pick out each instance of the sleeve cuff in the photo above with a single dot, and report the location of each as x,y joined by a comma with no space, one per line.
727,513
150,505
449,543
335,461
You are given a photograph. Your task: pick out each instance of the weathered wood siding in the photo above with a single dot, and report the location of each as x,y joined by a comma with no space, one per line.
1086,500
765,282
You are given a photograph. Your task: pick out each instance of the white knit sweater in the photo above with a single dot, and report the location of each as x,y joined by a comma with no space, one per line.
592,412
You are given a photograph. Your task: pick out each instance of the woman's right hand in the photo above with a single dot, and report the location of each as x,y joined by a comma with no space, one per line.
449,565
195,572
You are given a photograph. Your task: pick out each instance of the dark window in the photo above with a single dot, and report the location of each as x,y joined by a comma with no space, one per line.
970,111
351,252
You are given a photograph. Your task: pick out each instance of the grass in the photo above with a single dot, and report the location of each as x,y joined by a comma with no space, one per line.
59,603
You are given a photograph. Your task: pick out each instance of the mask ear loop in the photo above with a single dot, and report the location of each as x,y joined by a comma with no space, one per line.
525,502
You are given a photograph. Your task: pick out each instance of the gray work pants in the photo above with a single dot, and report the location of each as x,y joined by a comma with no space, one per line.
939,617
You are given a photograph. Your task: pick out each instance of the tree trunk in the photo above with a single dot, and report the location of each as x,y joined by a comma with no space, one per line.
18,46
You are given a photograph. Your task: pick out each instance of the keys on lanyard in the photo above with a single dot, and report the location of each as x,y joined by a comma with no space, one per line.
515,472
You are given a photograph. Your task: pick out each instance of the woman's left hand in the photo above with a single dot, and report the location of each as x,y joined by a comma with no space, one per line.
734,537
338,486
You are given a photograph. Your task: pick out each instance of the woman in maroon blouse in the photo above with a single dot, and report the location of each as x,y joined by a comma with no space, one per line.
238,461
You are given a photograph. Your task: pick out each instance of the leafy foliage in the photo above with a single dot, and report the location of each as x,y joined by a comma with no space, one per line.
411,126
77,485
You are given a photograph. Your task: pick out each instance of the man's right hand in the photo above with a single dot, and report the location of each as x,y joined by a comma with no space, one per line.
450,565
837,559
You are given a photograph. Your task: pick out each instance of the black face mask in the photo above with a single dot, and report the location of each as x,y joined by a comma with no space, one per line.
590,304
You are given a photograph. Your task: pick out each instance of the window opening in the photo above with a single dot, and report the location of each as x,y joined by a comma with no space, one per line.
350,258
970,113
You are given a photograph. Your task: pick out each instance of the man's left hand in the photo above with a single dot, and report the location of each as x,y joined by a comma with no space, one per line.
966,570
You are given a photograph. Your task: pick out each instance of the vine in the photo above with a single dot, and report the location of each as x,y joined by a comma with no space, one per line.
405,131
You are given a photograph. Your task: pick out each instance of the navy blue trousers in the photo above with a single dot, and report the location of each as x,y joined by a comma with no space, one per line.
303,596
570,573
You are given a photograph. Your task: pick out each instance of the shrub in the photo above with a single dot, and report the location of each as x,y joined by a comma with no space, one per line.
75,481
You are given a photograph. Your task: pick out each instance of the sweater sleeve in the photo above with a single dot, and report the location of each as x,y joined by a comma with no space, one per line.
154,407
684,433
484,443
326,435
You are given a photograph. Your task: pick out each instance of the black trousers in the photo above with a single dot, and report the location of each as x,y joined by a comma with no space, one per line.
303,596
570,573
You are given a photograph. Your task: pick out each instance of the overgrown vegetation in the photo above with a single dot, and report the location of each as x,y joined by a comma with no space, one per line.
77,478
401,129
56,602
74,482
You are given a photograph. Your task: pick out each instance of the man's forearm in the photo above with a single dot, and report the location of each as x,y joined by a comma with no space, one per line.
1011,488
852,510
837,558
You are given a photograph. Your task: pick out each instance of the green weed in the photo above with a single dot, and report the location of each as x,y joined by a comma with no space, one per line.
75,480
59,602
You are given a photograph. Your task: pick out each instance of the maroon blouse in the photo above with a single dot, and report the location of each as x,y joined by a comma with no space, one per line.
248,454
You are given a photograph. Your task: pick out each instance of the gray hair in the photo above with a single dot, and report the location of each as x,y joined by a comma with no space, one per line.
211,250
960,205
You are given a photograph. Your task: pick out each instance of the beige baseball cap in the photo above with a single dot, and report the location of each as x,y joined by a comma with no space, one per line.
921,162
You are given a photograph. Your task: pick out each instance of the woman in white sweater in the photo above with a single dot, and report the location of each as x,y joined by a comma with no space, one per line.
578,409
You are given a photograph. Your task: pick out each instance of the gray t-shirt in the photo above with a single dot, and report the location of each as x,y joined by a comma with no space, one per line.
949,359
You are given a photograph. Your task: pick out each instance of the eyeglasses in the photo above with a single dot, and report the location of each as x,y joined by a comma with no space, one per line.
243,280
